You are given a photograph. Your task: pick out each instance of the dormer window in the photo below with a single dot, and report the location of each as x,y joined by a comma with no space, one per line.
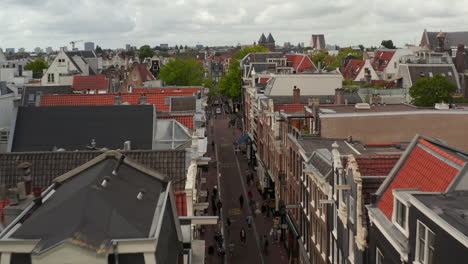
400,215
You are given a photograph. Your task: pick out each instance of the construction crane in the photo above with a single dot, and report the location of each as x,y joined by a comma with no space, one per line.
73,43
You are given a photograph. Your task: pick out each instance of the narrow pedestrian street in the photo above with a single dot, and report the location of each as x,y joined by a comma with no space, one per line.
228,173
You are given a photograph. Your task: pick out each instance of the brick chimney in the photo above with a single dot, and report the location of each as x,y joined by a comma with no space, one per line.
460,58
339,96
441,41
296,95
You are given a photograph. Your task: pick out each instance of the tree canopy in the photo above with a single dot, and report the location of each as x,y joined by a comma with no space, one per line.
146,52
230,84
428,91
37,65
333,62
98,49
182,72
388,44
241,53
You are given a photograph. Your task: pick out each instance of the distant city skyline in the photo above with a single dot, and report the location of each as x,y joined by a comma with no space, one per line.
218,23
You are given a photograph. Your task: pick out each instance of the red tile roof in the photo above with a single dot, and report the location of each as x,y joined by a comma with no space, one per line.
384,56
424,170
264,79
353,68
300,62
186,120
158,99
290,108
167,90
376,165
145,74
93,82
181,203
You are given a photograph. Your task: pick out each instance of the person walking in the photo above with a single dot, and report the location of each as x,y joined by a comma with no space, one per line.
215,210
212,144
215,191
241,201
243,236
250,195
219,205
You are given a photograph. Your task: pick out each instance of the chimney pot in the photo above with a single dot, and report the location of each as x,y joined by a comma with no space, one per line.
296,95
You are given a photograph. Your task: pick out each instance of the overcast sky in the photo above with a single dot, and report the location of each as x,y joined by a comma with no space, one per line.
114,23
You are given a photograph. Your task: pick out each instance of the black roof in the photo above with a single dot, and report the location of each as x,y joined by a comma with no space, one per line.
46,166
87,214
417,71
73,127
4,89
31,92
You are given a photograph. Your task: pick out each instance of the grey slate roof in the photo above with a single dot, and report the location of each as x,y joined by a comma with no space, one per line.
270,38
73,127
416,71
31,92
452,39
82,53
261,57
353,98
4,89
262,39
47,166
91,215
452,207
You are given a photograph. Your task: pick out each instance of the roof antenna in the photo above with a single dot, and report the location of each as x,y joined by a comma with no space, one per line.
117,167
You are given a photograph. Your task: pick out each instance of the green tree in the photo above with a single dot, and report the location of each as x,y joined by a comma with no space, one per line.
388,44
98,49
239,55
37,65
146,52
230,84
428,91
183,72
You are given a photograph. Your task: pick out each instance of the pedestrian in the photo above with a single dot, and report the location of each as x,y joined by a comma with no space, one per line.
249,220
207,194
215,210
243,236
273,234
212,144
265,245
219,205
241,201
215,191
263,209
228,225
250,194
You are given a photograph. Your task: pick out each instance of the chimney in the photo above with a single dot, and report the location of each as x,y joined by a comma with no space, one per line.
38,98
296,95
441,39
339,96
118,100
127,145
460,58
26,178
143,99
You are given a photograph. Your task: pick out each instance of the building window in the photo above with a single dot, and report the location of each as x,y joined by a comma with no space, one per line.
50,78
378,256
395,65
424,244
449,73
351,247
4,136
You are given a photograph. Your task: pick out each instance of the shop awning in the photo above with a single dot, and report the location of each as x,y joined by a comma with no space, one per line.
292,227
243,139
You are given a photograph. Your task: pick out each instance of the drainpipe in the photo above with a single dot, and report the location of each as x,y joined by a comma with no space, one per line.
116,255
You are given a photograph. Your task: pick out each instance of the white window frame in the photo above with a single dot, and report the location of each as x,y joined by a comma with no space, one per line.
4,135
377,254
426,244
350,246
403,229
51,78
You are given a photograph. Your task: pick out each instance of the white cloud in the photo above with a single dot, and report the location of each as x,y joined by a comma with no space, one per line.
113,23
